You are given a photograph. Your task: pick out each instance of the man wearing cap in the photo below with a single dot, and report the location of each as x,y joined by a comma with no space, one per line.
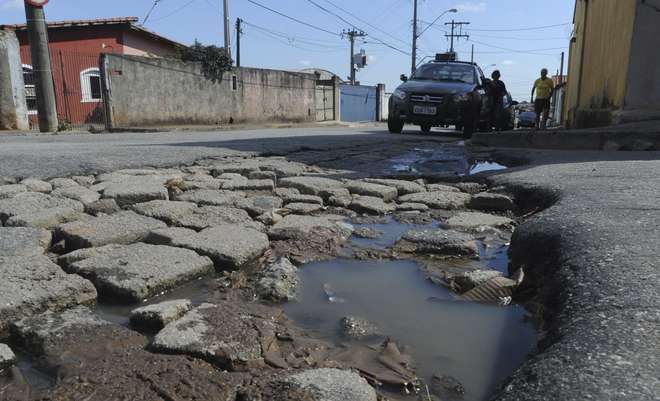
543,87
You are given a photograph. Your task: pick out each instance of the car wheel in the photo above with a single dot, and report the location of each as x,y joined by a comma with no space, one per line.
395,126
426,128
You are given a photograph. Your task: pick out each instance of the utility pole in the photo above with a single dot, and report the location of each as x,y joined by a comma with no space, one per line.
472,55
238,41
352,34
227,29
561,71
453,35
414,40
43,73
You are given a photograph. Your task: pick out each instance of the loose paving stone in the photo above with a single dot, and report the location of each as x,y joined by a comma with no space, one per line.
229,246
298,227
303,208
84,180
63,182
334,385
258,205
211,197
168,211
263,175
339,197
102,206
269,218
242,167
7,357
33,284
438,200
370,233
465,281
440,242
79,193
384,192
278,282
209,216
7,180
221,334
35,185
8,191
310,185
24,241
38,210
299,198
470,187
232,177
86,253
120,228
370,205
402,186
286,192
491,202
412,207
358,328
441,188
128,193
139,271
250,185
194,185
475,220
157,316
97,361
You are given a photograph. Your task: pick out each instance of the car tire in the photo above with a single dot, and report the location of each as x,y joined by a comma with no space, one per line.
394,125
426,128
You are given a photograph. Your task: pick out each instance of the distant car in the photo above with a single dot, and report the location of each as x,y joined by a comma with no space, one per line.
527,119
441,93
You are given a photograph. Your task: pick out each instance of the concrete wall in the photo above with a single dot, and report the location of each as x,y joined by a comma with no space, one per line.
598,66
13,109
643,91
136,44
146,91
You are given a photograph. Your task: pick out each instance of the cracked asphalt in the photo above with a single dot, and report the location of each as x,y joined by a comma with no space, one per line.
592,254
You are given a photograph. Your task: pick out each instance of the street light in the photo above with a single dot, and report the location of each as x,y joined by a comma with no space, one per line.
453,10
490,65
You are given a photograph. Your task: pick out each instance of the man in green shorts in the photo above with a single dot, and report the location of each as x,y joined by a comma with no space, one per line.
543,87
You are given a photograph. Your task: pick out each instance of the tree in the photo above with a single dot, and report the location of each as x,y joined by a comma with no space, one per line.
214,59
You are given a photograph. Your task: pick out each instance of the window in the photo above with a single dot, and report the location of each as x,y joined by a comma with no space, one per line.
30,89
446,72
90,85
234,83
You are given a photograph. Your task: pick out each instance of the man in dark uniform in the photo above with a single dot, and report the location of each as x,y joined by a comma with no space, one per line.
497,93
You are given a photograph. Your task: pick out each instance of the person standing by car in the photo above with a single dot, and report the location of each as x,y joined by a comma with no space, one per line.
543,87
497,92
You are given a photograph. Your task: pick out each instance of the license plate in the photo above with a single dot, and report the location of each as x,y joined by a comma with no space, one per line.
427,110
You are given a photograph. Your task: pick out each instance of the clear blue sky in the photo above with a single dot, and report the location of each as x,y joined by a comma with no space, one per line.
295,46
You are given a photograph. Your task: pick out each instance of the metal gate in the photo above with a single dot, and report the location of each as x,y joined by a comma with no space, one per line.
78,95
358,103
325,100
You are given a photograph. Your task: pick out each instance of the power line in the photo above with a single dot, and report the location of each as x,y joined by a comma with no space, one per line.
146,17
286,42
292,38
175,11
535,28
293,19
529,51
332,13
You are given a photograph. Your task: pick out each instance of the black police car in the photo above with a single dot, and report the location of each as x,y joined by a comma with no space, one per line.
440,93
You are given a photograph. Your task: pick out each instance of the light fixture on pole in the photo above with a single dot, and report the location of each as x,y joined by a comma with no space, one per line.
453,10
416,35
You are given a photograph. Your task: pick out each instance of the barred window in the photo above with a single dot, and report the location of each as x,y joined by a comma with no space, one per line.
90,85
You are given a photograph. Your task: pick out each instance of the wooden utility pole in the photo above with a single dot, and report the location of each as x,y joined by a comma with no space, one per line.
414,39
352,34
238,41
453,35
41,66
227,29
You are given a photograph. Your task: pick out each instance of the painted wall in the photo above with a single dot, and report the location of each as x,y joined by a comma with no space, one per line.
643,91
598,68
147,91
358,103
136,44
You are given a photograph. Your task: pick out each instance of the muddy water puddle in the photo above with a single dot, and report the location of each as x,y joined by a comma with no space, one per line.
390,230
479,345
448,159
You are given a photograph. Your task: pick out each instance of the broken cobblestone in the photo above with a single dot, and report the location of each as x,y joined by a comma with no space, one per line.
23,241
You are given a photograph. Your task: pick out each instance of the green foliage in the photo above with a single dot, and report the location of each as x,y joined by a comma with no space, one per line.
64,125
214,59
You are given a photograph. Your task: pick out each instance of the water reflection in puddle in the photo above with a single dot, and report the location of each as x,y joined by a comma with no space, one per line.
479,345
392,231
448,159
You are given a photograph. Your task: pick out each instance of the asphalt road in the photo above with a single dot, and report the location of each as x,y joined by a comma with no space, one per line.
47,156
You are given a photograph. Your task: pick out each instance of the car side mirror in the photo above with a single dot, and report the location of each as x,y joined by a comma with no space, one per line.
403,77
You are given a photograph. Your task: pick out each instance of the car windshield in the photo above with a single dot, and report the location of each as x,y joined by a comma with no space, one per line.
445,72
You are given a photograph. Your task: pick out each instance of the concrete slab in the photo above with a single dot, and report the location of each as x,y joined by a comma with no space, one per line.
157,316
38,210
439,200
439,242
24,241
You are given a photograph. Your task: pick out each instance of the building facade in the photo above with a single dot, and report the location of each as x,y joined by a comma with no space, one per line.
75,48
614,62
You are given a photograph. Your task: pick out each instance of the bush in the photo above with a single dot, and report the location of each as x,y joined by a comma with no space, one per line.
214,59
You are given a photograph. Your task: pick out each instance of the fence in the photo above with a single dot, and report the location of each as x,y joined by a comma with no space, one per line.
78,94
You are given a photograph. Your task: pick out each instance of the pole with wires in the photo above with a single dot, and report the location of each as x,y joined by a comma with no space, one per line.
227,29
146,17
238,41
352,34
414,39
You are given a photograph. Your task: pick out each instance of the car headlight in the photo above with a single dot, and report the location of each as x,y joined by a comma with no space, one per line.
400,94
461,97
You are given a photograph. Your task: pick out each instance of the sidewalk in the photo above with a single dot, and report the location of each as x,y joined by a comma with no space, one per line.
633,136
